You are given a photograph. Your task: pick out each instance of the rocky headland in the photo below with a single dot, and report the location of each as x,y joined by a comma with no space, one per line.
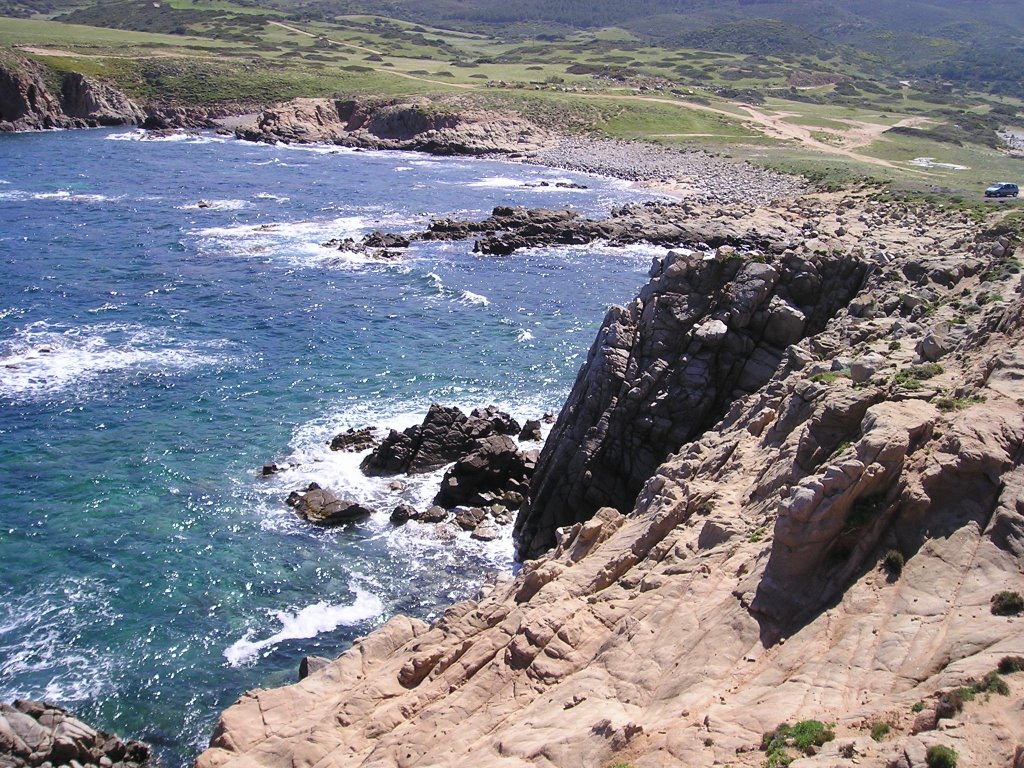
33,99
419,124
786,488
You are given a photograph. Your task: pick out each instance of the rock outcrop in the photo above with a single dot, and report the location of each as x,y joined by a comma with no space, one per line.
495,472
509,229
36,734
819,548
412,125
446,435
703,333
26,102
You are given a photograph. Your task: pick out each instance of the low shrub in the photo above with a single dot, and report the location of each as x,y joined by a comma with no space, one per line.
894,562
940,756
992,683
1010,664
880,730
1007,603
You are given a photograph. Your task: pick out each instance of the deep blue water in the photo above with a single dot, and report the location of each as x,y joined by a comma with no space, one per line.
154,354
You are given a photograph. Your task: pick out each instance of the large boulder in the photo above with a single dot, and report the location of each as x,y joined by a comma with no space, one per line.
321,506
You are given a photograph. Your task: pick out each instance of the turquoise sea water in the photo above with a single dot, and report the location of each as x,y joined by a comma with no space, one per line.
154,354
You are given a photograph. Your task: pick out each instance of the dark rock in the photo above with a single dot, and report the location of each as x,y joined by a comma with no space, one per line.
469,518
402,514
354,440
320,506
311,664
385,240
435,514
666,368
445,435
36,734
501,422
531,431
495,468
270,469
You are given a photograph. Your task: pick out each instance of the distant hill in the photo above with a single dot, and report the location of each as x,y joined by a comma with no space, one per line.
979,43
976,43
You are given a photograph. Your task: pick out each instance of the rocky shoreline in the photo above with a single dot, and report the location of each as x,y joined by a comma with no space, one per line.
694,174
787,486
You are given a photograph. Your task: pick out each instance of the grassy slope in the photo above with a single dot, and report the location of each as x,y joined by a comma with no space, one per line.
607,81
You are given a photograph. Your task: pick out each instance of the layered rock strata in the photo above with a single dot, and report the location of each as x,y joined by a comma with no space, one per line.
750,583
411,125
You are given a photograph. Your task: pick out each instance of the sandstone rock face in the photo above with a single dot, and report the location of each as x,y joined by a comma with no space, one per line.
744,586
26,103
703,333
414,125
36,734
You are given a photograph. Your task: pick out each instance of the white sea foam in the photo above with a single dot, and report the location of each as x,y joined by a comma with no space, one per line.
343,226
43,359
60,195
176,136
524,335
468,297
38,637
499,182
307,622
215,205
268,196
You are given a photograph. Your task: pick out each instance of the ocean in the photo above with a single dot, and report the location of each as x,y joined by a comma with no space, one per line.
155,354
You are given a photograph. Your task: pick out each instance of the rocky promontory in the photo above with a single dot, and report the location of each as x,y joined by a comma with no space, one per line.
418,124
786,506
30,102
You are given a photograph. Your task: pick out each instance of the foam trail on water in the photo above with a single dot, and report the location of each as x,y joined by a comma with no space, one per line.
43,358
468,297
307,622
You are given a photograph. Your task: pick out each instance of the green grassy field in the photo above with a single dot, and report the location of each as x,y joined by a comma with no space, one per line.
607,82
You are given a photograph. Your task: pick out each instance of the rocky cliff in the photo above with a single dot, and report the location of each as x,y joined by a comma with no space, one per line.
27,102
413,125
831,531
